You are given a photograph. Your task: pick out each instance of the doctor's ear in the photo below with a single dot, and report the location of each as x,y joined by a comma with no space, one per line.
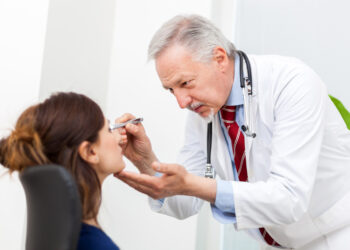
220,57
88,153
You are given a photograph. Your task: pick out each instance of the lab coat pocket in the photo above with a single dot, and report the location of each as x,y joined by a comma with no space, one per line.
259,166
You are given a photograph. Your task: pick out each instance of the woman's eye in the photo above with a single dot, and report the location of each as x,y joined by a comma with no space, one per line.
171,90
184,83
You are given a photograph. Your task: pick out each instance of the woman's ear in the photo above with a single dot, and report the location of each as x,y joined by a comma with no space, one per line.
87,152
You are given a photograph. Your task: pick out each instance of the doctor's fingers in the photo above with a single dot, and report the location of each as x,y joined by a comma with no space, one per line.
171,169
154,182
124,118
141,188
137,131
143,183
123,140
143,179
133,129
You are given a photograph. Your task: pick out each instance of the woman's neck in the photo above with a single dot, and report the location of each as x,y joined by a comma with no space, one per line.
92,222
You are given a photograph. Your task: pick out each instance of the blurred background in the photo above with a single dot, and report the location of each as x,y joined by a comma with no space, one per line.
99,48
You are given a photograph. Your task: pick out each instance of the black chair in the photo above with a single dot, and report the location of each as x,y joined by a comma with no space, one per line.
53,208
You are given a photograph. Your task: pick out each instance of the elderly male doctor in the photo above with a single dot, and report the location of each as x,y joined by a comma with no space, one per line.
289,186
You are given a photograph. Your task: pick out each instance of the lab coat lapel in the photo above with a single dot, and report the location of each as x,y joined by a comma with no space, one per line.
220,155
249,140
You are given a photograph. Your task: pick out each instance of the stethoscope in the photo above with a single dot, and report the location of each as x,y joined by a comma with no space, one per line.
247,127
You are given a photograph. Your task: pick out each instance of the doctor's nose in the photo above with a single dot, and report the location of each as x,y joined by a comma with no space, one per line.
182,99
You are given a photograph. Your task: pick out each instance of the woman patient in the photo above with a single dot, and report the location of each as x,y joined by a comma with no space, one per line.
69,129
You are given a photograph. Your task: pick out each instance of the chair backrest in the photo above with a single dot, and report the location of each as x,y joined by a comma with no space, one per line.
53,208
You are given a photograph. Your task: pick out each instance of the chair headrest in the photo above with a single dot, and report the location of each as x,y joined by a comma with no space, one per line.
53,208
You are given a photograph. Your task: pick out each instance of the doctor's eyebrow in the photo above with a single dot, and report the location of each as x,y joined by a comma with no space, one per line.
178,82
172,85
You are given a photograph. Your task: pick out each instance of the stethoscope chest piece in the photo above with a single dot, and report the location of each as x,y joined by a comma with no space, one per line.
209,170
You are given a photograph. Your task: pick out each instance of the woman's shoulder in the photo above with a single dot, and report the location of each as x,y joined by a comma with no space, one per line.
94,238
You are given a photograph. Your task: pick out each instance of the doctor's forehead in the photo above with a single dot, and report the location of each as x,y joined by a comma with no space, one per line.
172,66
174,57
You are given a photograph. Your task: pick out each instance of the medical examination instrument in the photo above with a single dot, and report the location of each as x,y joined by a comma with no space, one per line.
121,125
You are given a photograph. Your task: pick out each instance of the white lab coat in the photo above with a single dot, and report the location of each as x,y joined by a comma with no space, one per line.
298,165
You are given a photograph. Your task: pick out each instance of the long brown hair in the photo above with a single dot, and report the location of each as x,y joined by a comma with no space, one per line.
51,132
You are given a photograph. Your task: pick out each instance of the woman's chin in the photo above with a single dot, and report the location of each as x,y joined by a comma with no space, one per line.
120,168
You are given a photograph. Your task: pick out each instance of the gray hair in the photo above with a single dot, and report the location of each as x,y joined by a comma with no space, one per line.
194,32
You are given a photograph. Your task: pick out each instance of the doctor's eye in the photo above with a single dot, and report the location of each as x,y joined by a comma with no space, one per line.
171,90
185,83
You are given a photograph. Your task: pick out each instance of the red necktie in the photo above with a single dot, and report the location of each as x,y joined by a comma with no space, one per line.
228,114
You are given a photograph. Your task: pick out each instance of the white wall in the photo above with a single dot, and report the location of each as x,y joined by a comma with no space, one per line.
78,47
22,26
315,31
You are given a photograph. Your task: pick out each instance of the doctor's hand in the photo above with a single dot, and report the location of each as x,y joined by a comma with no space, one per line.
175,180
136,145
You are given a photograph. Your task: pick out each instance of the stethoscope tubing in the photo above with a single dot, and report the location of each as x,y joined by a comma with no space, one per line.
247,87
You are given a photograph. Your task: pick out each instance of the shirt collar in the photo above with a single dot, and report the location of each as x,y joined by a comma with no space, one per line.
236,96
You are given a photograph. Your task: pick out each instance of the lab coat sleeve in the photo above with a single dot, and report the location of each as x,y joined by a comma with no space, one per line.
299,110
193,158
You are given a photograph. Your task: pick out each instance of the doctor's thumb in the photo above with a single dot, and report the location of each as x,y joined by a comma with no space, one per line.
157,166
164,167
